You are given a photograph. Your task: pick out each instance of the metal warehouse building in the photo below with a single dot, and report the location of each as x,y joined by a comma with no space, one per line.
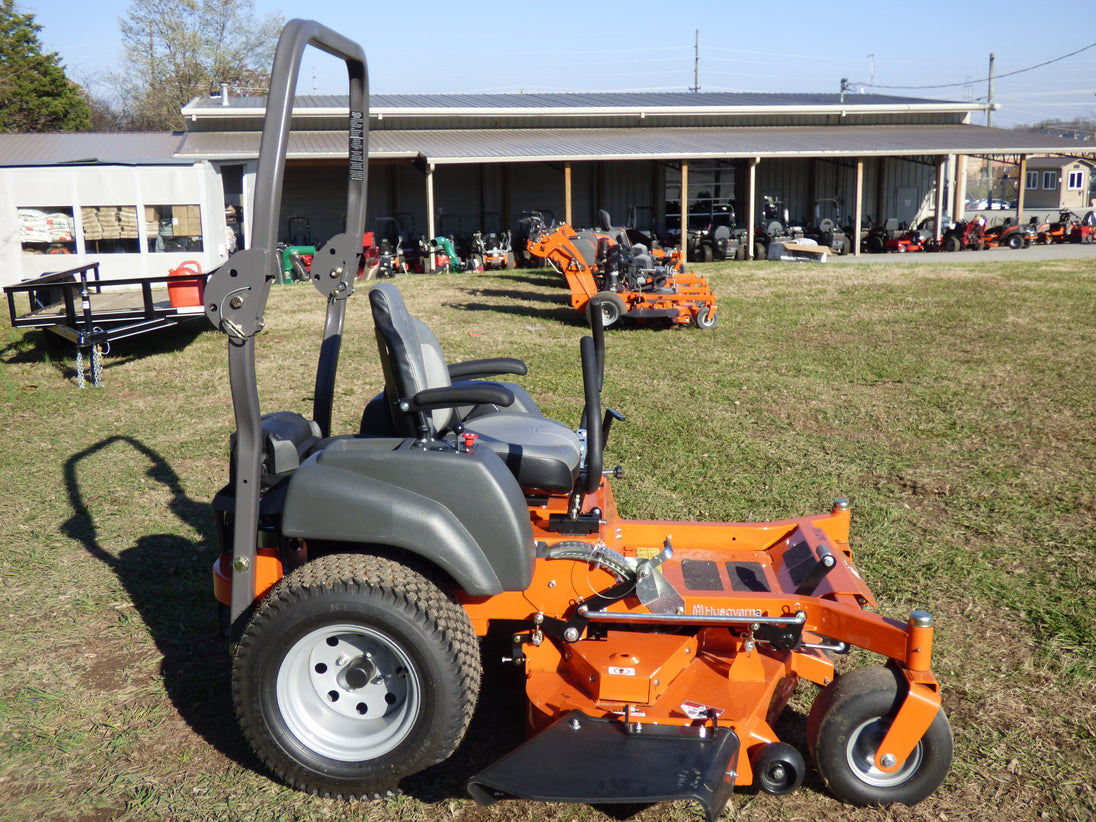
141,203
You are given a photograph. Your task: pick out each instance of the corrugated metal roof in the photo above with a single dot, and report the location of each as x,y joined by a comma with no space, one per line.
89,148
444,146
390,105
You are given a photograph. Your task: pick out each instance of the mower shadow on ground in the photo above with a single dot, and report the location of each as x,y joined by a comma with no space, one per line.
547,277
167,578
515,294
564,315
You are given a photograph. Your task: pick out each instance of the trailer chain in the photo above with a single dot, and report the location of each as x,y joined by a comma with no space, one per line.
97,366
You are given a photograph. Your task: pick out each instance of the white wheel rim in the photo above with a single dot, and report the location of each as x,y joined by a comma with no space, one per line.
348,693
860,753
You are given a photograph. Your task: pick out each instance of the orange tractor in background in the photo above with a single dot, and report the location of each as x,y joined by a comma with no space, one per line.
632,281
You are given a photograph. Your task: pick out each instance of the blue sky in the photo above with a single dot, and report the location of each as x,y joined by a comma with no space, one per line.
643,45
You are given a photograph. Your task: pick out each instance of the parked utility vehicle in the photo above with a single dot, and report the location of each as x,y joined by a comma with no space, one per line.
358,572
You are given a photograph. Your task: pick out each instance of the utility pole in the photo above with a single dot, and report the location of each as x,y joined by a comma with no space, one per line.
989,106
696,65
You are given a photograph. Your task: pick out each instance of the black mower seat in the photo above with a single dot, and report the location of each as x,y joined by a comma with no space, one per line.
543,454
377,420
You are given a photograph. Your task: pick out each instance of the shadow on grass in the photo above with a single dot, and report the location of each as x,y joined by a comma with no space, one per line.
565,315
168,580
39,345
560,312
530,276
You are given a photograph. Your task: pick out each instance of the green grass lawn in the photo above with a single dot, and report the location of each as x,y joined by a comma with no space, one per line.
954,404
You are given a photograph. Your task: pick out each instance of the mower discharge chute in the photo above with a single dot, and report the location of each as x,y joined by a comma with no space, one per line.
632,281
358,573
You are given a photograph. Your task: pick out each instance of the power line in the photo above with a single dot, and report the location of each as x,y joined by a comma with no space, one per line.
984,79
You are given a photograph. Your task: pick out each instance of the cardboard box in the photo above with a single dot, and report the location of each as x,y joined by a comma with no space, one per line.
194,217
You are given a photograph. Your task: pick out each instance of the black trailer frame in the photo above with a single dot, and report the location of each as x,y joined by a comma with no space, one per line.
78,306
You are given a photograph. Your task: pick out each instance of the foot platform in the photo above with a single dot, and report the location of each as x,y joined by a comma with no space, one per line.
605,761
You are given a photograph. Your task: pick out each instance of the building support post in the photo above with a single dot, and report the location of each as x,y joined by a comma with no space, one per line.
431,233
958,209
684,210
941,176
858,208
507,204
568,216
1021,187
751,206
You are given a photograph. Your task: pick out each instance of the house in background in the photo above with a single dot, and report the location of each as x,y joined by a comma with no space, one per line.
1055,183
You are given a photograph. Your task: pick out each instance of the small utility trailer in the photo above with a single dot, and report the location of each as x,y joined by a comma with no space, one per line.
91,313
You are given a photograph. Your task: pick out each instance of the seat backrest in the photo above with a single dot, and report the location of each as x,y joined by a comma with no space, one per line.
411,358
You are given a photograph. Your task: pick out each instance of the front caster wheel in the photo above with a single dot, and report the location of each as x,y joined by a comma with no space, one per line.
778,768
846,725
707,317
355,672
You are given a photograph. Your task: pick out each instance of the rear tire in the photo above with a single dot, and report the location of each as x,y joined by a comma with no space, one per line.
1015,241
355,672
845,727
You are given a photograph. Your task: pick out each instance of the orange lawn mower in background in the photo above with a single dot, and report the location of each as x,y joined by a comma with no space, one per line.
632,281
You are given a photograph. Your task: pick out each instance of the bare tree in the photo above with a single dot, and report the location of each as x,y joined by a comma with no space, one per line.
176,50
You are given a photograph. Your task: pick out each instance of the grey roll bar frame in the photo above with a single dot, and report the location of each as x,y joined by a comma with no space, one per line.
236,294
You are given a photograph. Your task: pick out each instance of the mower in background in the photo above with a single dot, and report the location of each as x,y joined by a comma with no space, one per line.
632,282
1010,235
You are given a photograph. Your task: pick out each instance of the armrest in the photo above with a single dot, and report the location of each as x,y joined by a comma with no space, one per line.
491,367
458,395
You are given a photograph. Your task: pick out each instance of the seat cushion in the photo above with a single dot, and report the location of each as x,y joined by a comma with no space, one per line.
543,454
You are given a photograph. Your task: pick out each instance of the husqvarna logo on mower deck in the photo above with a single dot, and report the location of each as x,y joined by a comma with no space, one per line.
741,613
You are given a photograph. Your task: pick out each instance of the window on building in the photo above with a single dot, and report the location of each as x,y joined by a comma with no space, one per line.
46,231
173,228
1050,180
110,229
1076,180
1031,180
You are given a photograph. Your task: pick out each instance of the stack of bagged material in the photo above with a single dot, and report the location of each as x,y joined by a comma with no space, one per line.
127,222
37,226
108,220
152,221
90,219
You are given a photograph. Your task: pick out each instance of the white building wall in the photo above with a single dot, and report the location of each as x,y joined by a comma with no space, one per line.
97,186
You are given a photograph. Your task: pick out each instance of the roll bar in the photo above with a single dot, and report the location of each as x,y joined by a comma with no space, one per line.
236,294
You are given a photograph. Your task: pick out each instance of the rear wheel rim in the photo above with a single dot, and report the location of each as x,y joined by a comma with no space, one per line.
349,693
